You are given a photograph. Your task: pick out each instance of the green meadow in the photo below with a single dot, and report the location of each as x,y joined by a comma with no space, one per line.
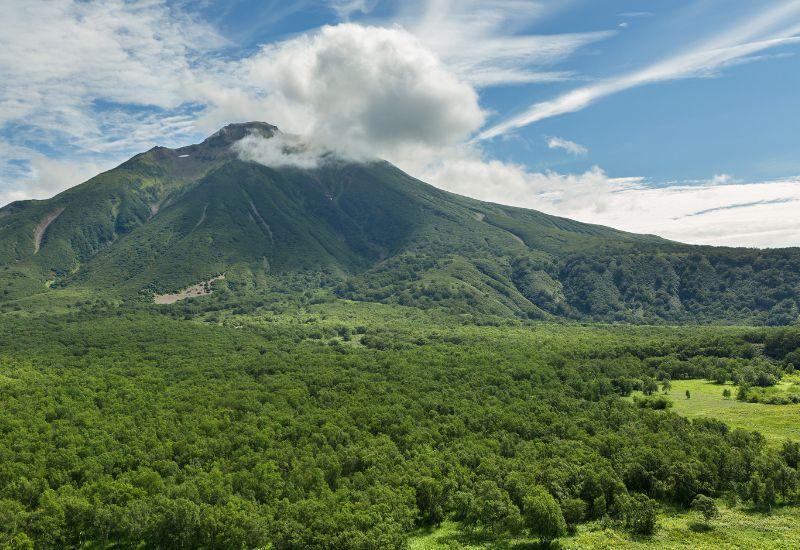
775,422
735,528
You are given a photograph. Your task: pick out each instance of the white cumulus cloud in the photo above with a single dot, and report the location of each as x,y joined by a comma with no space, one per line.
39,176
362,92
717,212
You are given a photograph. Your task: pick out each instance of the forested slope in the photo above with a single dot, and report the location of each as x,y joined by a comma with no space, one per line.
171,218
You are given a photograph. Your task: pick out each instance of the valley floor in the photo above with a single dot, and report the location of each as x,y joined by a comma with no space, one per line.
293,422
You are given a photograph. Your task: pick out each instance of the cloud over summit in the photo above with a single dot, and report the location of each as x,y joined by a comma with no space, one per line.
280,151
360,91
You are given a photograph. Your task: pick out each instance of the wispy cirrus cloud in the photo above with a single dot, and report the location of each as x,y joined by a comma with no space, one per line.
488,42
63,61
774,27
85,83
734,206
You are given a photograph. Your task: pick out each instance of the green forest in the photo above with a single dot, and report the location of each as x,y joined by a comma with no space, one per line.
293,420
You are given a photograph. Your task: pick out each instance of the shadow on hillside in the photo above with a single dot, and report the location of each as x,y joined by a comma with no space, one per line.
555,545
700,527
461,539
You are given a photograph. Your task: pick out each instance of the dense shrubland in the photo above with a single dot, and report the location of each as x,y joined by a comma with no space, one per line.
344,426
666,285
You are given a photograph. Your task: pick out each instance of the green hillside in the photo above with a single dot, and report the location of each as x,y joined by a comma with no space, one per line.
171,218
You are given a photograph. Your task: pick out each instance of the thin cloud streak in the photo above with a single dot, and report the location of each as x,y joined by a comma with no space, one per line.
569,146
764,32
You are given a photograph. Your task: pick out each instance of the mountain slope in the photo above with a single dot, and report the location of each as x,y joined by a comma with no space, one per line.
168,219
44,241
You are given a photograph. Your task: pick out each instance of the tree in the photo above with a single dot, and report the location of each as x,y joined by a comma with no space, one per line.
706,506
768,497
731,498
686,482
741,394
649,386
12,516
431,495
542,515
599,507
574,510
461,504
755,490
178,524
491,508
726,393
640,514
688,395
791,453
666,385
785,480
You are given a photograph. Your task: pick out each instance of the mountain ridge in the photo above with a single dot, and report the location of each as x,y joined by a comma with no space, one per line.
168,219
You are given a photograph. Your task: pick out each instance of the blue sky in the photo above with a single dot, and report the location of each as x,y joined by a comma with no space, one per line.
680,118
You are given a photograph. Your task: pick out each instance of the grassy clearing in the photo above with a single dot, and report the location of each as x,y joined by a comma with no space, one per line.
775,422
735,528
449,535
57,301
